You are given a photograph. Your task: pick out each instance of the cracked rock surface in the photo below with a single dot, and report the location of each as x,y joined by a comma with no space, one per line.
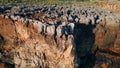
44,36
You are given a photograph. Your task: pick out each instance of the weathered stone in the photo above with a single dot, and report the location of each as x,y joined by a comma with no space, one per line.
59,37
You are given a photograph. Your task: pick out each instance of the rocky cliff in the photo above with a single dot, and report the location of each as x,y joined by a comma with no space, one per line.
58,37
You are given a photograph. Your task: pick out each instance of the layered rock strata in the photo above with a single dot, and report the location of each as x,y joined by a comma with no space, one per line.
58,37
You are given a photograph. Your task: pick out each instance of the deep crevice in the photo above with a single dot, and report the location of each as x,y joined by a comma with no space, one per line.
84,43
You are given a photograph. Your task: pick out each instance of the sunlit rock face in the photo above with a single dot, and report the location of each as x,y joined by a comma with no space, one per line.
58,37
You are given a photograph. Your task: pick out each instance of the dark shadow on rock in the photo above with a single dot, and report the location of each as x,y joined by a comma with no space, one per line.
8,65
84,43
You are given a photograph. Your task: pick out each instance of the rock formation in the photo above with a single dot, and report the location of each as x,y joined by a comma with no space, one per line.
35,36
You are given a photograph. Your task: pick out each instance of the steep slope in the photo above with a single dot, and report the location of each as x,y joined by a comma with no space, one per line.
59,37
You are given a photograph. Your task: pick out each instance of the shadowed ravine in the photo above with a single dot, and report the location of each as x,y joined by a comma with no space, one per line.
84,40
44,36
